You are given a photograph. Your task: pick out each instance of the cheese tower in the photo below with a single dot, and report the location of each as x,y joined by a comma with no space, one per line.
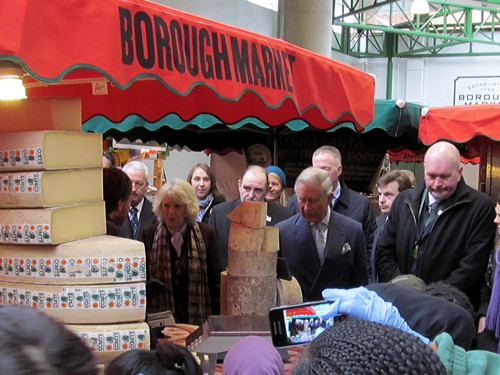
252,255
54,254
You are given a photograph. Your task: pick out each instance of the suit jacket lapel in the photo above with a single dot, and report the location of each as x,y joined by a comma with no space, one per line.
334,244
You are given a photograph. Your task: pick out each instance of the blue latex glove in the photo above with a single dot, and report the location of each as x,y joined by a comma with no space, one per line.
365,304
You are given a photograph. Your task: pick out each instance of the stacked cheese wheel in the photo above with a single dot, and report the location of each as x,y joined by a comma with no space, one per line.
54,254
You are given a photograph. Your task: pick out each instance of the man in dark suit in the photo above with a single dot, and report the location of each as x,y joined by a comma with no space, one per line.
345,201
389,185
252,186
141,210
324,249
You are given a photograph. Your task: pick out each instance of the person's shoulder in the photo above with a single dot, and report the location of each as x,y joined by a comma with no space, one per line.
337,219
225,206
288,224
206,228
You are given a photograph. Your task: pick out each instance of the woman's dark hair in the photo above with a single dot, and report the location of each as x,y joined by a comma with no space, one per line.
168,359
33,343
211,176
109,157
353,346
117,187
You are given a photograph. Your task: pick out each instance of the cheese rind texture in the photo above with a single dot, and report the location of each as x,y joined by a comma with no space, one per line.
52,225
94,260
250,214
88,304
43,150
242,238
35,189
107,341
40,114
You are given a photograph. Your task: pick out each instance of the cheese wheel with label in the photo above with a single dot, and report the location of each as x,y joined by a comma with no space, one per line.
94,260
80,304
108,341
52,225
41,150
50,188
40,114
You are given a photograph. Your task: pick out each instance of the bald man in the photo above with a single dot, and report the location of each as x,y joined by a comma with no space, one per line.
441,230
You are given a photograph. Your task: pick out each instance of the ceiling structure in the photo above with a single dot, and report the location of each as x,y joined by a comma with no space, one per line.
387,28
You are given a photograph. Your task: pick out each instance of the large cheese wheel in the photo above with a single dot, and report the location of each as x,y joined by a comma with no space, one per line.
108,341
40,114
40,150
50,188
80,304
94,260
52,225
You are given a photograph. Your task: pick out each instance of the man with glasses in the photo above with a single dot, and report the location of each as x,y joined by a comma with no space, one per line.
253,187
141,210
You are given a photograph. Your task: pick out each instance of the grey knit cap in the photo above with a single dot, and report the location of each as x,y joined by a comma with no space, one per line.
359,347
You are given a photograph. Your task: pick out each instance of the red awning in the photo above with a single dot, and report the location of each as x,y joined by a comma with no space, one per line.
148,60
460,124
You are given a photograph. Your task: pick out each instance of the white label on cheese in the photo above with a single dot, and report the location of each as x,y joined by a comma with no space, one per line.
115,341
88,298
22,157
121,269
26,233
20,182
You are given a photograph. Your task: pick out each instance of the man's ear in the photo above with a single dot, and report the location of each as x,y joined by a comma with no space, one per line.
330,198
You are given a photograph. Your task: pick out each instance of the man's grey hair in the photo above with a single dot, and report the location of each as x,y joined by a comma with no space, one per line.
315,175
330,150
138,165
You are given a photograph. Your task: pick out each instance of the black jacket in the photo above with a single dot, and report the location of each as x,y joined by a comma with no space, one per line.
458,245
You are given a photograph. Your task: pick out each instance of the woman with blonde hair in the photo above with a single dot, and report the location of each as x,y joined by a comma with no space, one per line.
182,259
277,186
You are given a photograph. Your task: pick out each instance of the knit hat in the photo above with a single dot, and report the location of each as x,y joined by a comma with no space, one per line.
360,347
253,355
279,172
409,281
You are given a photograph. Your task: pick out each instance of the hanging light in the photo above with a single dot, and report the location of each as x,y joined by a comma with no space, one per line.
11,81
420,7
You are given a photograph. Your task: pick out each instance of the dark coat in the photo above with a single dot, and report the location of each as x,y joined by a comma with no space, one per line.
221,223
213,271
429,315
457,248
353,205
146,218
345,262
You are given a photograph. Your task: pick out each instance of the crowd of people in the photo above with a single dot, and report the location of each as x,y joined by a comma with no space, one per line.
423,261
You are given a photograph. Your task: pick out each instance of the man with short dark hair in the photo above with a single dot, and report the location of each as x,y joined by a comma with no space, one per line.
141,209
253,186
117,189
441,230
389,185
324,249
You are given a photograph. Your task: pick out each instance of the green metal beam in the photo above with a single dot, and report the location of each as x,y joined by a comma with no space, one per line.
450,24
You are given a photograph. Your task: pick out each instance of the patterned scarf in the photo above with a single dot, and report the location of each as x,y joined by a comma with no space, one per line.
493,314
203,204
160,268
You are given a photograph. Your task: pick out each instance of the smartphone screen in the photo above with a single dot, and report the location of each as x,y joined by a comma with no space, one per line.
298,324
